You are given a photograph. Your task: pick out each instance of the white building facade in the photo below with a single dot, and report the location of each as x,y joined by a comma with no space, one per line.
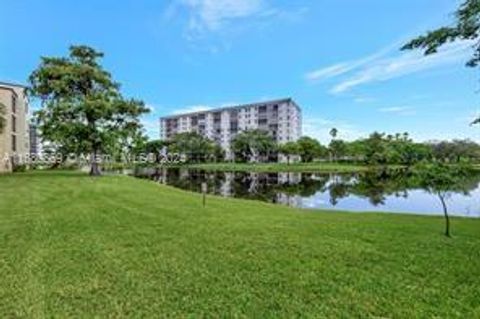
281,119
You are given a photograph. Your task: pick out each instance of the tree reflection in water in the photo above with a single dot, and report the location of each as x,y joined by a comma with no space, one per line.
290,188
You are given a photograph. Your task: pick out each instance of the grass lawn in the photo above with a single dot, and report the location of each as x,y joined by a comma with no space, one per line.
73,246
282,167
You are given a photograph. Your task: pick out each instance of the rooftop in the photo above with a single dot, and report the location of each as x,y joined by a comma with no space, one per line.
11,87
10,84
239,106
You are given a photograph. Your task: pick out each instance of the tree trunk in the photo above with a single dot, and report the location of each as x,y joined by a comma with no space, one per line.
94,169
445,213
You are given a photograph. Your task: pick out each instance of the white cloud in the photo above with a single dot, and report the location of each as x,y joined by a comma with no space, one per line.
364,99
388,63
345,67
404,63
212,14
151,126
219,16
398,110
192,109
328,72
207,16
151,122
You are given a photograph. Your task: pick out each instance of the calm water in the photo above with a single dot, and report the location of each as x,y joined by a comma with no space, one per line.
386,192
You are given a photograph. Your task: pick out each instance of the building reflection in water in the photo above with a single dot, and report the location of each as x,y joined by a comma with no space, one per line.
396,190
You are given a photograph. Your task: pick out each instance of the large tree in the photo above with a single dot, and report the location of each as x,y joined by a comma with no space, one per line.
82,107
337,148
376,149
156,147
290,149
195,147
310,148
253,144
465,27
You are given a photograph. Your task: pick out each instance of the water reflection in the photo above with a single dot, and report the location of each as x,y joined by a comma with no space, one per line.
374,191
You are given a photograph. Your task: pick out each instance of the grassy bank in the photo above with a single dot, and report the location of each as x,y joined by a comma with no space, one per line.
72,246
282,167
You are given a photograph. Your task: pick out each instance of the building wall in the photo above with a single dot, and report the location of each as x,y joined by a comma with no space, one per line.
19,129
5,96
282,119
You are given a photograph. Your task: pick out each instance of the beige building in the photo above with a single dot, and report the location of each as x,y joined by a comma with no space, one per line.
14,138
281,118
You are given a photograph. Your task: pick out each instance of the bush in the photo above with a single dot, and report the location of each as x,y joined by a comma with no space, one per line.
19,168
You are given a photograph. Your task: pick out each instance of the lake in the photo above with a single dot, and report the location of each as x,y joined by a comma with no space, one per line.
393,192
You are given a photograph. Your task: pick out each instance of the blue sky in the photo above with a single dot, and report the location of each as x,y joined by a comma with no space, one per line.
338,59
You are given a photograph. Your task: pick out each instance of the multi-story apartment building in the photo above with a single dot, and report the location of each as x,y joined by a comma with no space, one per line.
282,119
14,137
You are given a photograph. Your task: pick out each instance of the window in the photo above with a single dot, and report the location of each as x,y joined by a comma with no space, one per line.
217,117
14,104
14,143
14,123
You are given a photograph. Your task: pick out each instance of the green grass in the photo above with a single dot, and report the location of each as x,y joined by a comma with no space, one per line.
73,246
282,167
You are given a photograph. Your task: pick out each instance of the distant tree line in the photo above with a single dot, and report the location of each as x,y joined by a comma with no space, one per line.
376,149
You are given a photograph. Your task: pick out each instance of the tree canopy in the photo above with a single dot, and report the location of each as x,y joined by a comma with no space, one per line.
82,107
195,147
253,145
310,148
333,133
290,149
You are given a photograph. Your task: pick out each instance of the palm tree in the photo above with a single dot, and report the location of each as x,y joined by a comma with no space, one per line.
333,133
